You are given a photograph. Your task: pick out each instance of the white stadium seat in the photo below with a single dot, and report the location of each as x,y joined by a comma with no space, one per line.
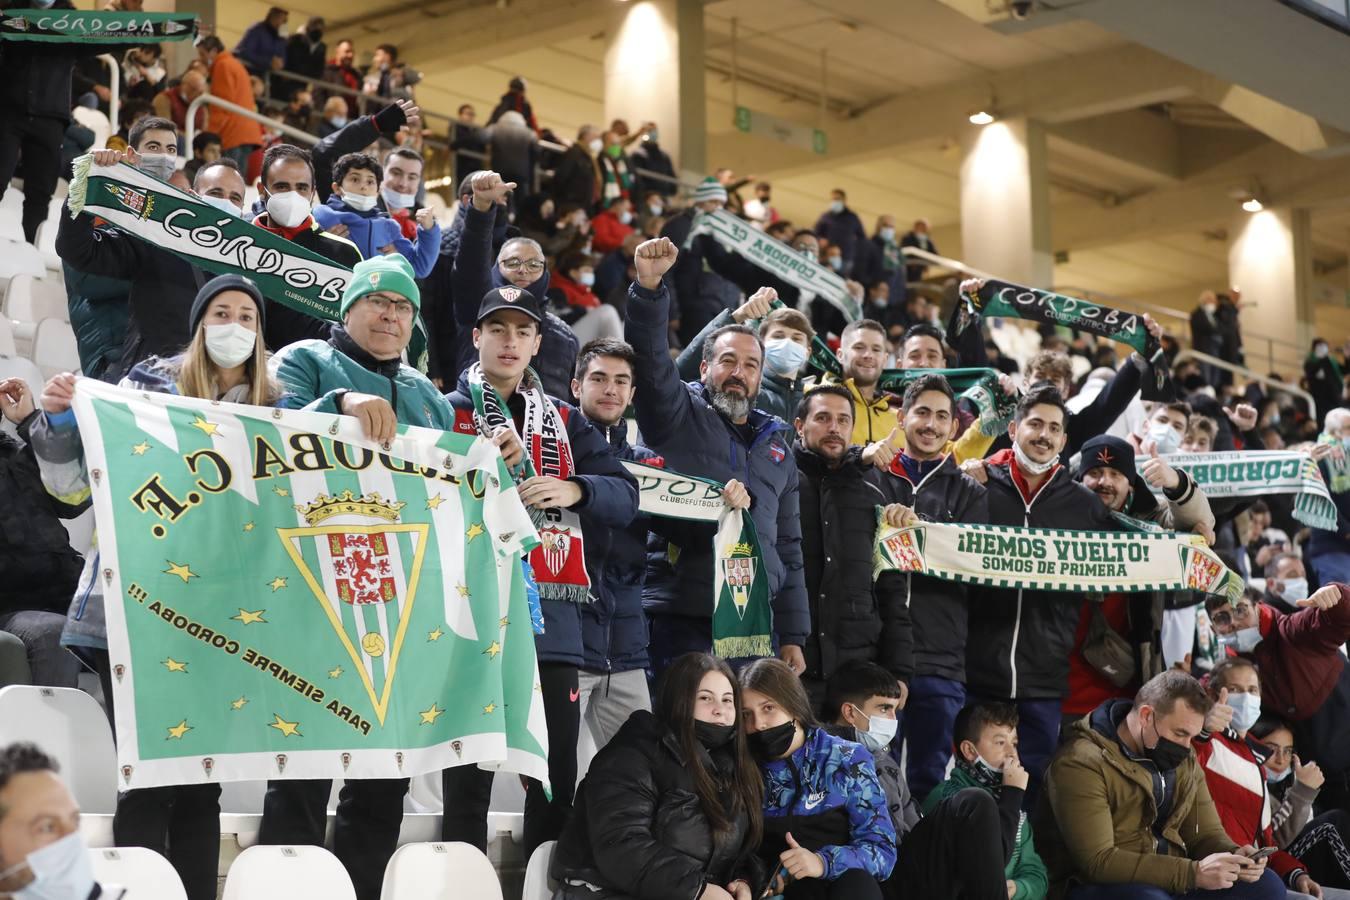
18,257
144,874
538,884
54,348
11,198
8,346
241,804
440,872
29,299
46,242
72,728
287,873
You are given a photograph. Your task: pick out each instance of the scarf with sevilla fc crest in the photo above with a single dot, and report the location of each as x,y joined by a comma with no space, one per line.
558,564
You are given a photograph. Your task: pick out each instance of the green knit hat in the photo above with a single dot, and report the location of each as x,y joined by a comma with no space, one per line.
390,273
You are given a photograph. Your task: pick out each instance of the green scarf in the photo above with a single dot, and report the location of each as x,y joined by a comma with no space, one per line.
1338,464
1261,473
102,27
742,621
164,216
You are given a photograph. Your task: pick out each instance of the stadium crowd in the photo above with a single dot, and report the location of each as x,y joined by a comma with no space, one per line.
911,736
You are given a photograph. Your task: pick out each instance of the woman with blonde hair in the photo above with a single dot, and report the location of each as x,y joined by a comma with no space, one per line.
225,360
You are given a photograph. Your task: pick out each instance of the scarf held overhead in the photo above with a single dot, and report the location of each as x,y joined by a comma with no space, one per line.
1002,299
102,27
742,621
778,259
1048,559
173,220
558,564
1256,473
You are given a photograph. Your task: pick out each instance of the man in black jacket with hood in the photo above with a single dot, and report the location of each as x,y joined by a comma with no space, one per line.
927,480
851,617
1020,640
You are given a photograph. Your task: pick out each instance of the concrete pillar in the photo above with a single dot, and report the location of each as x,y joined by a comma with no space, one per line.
1005,202
654,71
1270,261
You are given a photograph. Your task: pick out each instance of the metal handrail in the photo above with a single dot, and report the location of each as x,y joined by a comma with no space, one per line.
363,98
211,100
1246,373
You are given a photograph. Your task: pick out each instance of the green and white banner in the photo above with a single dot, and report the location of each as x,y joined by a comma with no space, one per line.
1258,473
101,27
159,213
287,600
742,621
778,259
1048,559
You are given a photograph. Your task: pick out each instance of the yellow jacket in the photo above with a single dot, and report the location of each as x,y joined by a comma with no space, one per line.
874,419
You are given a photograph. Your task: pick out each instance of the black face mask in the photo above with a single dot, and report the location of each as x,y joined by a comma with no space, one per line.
1166,755
772,743
711,735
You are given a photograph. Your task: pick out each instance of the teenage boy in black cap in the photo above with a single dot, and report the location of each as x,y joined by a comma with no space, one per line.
568,477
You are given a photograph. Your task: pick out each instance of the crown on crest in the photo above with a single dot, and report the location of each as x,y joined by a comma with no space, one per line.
324,507
742,550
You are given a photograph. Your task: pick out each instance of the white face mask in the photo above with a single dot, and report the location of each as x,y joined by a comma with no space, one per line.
1165,437
396,200
837,206
587,278
1210,308
287,209
338,121
1243,641
61,871
230,345
1029,465
879,734
359,202
1295,589
655,209
221,204
1246,710
625,217
160,165
784,356
888,234
596,146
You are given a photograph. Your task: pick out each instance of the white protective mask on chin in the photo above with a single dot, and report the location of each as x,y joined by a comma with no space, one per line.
230,345
221,204
1029,465
287,209
395,200
359,202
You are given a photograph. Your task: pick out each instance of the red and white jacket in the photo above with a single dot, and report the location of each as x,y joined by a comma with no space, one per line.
1238,786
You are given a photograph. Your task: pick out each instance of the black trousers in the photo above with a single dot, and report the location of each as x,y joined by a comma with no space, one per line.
369,816
955,852
36,141
468,789
1324,847
855,884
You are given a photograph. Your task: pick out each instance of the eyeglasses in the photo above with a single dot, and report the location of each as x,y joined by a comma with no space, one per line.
1277,751
402,308
1225,618
532,266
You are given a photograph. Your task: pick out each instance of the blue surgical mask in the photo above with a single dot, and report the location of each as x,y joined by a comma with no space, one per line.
783,356
61,871
222,204
1277,777
1246,710
1295,589
1165,437
587,278
837,206
879,734
888,233
337,121
1243,641
835,262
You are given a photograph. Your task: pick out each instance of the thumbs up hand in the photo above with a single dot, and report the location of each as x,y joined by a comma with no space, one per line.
1220,716
800,862
1158,473
882,453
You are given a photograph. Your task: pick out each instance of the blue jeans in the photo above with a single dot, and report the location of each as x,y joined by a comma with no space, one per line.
1038,723
1269,887
930,713
51,664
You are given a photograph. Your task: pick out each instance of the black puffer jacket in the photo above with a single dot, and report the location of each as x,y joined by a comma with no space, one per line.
939,610
38,568
851,618
1020,640
638,830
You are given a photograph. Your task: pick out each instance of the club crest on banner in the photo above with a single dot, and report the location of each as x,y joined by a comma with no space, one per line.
904,551
363,568
138,202
739,571
208,763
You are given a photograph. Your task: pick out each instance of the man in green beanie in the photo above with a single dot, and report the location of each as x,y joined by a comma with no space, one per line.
357,372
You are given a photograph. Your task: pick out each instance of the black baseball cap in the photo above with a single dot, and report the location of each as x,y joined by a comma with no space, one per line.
509,297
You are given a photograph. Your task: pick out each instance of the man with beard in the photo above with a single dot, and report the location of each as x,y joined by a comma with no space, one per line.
1107,468
924,477
711,429
852,618
1020,641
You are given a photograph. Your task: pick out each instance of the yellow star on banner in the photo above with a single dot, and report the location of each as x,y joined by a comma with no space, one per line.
429,716
286,728
435,502
474,530
182,570
462,590
281,492
335,672
489,709
239,704
206,427
435,635
504,622
277,584
140,448
493,649
248,618
174,665
177,731
248,526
